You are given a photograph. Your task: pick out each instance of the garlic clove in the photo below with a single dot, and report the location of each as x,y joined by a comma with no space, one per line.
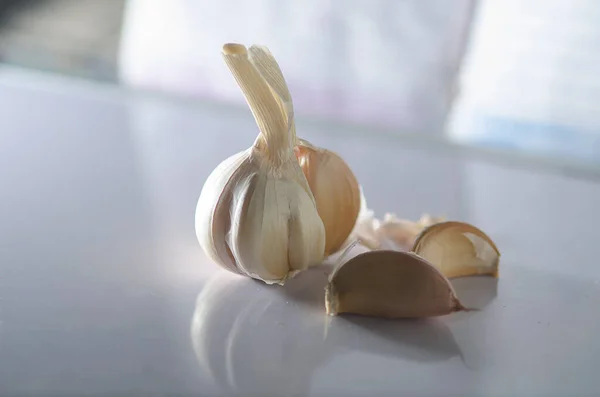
332,182
336,191
458,249
390,284
256,214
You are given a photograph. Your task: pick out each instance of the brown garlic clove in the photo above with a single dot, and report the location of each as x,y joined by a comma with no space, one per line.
458,249
336,191
390,284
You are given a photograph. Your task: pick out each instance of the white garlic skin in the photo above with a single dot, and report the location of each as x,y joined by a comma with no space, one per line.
259,220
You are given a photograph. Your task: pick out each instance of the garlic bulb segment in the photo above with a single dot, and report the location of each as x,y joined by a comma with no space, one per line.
256,214
334,186
390,284
336,192
458,249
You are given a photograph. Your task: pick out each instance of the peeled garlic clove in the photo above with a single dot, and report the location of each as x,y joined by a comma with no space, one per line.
336,192
256,214
390,284
458,249
331,180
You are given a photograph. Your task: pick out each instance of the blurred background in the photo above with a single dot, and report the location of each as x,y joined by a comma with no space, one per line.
511,77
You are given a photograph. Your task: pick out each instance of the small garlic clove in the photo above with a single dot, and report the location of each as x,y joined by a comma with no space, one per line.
336,191
458,249
390,284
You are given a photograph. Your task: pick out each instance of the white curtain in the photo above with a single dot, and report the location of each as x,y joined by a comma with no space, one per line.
531,78
388,62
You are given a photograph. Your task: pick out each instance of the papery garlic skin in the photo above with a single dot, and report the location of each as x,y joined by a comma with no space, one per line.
390,233
256,214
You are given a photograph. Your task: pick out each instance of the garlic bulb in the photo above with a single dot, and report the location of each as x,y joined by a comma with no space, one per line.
390,284
458,249
256,214
334,186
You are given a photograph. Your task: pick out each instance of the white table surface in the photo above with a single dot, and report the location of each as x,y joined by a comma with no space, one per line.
105,291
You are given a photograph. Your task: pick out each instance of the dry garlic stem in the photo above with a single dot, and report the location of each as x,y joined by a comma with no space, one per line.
458,249
256,214
334,186
390,284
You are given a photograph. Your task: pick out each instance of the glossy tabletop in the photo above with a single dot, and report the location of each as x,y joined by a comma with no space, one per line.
104,289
